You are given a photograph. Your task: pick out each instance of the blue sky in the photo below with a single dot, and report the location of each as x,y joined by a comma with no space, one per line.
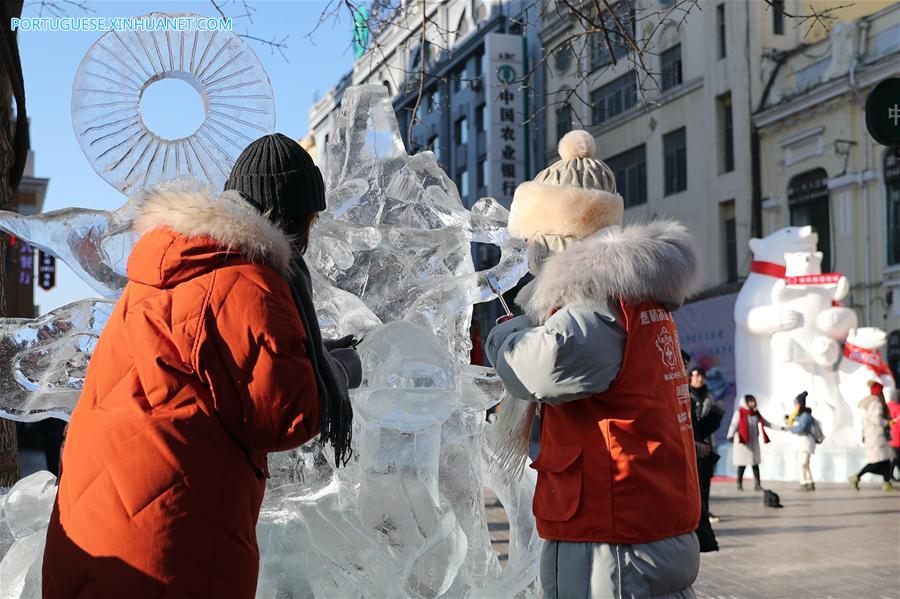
50,59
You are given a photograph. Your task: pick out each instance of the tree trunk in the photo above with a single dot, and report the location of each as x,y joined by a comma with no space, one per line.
9,464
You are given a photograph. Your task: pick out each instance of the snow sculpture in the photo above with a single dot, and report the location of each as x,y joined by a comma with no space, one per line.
823,325
792,335
26,511
116,71
756,315
391,261
805,357
863,362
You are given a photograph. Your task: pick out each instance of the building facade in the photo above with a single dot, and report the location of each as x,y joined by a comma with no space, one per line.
821,167
675,124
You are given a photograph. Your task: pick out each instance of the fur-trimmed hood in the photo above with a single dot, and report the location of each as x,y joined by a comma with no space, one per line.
233,224
657,261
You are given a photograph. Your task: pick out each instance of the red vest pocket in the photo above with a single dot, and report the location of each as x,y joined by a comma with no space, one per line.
558,491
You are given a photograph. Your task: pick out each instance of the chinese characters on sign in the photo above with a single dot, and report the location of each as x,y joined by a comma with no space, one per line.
46,271
505,105
25,259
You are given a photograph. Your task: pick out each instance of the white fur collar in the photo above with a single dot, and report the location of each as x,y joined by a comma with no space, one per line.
195,211
641,262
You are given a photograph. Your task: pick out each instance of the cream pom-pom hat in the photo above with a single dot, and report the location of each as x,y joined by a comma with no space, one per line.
572,198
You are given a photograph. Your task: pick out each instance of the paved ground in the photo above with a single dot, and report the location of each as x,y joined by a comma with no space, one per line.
833,543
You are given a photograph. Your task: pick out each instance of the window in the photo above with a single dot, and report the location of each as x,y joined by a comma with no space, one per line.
720,29
675,150
563,120
462,75
630,169
461,131
483,166
614,98
434,100
726,134
808,201
480,125
462,182
600,56
892,192
729,240
671,67
434,144
778,17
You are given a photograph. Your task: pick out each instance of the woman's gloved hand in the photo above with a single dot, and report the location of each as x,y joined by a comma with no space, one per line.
499,334
345,341
350,362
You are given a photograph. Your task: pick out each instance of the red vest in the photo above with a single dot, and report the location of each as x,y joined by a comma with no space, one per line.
619,466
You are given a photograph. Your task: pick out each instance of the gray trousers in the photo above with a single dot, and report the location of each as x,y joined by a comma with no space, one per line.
665,568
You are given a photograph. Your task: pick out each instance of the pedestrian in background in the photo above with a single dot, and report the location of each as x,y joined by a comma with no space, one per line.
801,424
706,417
875,437
747,426
894,411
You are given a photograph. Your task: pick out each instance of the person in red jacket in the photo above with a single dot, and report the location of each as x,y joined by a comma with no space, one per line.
894,410
210,360
618,497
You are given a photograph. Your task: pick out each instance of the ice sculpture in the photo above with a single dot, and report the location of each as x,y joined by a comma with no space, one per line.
406,517
93,243
391,261
116,71
43,361
26,511
792,335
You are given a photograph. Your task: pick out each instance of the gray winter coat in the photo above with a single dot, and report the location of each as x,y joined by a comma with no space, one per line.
568,346
878,447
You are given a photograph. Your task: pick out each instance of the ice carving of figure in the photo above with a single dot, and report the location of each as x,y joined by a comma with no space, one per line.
25,510
396,236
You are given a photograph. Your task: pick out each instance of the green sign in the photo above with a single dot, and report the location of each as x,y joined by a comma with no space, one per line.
506,74
360,31
883,112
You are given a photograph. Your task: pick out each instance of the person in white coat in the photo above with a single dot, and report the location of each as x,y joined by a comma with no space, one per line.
801,424
747,426
875,437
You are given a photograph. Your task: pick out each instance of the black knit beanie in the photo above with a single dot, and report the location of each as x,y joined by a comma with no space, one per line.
279,177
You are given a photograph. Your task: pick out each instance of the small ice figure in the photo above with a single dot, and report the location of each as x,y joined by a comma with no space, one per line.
26,511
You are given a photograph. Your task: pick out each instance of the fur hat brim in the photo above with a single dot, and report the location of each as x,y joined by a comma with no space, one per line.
562,210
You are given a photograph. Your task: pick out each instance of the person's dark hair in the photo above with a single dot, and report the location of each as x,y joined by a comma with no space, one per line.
699,370
301,235
749,398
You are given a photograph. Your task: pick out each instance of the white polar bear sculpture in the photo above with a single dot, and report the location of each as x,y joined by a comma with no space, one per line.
863,362
758,318
805,357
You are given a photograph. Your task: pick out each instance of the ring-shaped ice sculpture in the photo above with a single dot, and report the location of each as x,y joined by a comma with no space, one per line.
116,71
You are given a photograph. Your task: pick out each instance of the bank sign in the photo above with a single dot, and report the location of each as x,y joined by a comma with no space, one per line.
505,102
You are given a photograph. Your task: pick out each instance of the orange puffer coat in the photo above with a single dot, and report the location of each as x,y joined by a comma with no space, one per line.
201,371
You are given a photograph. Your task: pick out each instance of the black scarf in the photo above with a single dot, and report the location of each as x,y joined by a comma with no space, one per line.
337,413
